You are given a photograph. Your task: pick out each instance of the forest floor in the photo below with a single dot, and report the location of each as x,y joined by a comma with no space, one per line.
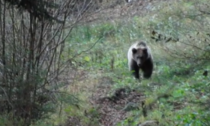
114,108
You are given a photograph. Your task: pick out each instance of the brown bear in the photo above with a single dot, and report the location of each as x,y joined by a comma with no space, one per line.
140,57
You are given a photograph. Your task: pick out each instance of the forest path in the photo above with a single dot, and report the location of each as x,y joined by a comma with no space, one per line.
115,108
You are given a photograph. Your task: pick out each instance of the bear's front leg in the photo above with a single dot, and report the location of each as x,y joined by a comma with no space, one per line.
147,69
135,70
136,74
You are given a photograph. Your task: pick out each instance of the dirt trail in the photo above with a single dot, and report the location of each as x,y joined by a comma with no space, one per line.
114,108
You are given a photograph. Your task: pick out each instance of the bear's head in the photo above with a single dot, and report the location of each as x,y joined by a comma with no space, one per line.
140,55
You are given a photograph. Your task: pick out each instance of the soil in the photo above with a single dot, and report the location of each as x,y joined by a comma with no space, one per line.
115,108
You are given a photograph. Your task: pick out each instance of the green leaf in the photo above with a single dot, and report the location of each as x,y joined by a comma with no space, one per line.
87,58
178,93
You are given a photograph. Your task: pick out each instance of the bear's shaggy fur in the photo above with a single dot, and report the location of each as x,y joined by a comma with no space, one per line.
140,57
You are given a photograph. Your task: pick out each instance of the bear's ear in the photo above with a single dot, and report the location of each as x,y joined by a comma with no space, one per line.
134,50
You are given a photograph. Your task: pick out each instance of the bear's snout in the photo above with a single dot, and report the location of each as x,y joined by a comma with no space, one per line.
139,63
